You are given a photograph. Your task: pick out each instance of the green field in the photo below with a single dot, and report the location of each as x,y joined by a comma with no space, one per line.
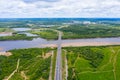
46,33
33,64
93,63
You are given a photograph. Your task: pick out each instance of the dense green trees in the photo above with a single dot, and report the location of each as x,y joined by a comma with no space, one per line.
89,31
16,37
47,34
94,56
31,62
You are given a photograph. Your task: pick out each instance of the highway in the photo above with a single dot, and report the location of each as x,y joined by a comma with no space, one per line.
58,70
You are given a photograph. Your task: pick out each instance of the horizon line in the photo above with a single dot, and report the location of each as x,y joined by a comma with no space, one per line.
61,17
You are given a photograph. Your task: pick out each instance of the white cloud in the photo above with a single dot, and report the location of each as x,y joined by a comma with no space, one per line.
59,8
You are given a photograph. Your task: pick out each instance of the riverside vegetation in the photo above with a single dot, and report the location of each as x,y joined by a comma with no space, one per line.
46,33
16,37
90,31
78,31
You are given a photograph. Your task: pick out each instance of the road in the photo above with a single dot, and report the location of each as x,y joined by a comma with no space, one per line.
58,70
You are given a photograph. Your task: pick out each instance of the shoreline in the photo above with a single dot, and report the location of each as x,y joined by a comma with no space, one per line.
76,44
5,34
73,44
80,44
5,53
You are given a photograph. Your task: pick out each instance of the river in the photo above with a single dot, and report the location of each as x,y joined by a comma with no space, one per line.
40,42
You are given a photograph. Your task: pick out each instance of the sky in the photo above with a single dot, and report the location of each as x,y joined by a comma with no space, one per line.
59,8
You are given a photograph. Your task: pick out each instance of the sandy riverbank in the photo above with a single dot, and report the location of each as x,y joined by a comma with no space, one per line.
76,44
5,53
89,44
5,33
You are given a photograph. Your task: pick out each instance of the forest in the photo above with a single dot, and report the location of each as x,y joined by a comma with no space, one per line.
90,31
32,64
46,34
16,37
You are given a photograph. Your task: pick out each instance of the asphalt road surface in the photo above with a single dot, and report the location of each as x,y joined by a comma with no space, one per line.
58,70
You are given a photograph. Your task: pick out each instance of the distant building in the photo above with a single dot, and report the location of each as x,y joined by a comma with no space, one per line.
67,23
88,22
47,26
77,22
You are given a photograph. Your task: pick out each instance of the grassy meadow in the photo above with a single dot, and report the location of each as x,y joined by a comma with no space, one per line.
93,63
46,33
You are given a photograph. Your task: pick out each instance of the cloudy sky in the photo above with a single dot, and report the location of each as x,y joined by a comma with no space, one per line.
59,8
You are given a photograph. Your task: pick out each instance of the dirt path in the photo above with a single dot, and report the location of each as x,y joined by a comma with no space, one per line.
47,54
66,63
94,72
110,60
112,50
14,70
23,75
50,74
114,64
